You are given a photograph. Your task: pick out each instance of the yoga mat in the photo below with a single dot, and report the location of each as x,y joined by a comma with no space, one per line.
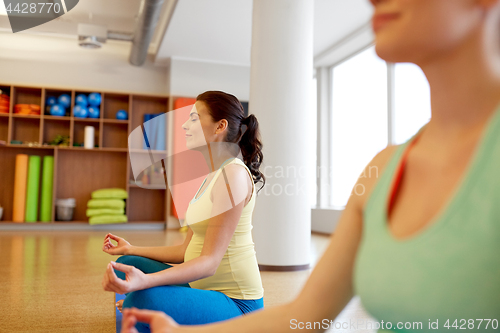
105,219
20,177
47,181
161,135
151,129
32,189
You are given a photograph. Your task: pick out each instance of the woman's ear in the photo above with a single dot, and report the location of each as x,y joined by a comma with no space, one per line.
221,126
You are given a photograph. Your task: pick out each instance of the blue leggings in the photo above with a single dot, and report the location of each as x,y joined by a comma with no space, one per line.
186,305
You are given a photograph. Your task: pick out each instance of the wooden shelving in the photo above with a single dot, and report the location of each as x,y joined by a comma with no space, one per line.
79,171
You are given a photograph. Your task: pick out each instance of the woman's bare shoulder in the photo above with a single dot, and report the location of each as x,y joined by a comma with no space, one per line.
371,174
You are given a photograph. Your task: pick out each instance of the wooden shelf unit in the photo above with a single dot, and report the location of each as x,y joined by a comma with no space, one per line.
79,171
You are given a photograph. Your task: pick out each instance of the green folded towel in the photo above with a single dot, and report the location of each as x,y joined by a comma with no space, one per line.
109,193
104,219
104,211
106,203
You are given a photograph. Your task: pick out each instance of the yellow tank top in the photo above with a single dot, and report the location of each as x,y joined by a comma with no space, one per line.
238,273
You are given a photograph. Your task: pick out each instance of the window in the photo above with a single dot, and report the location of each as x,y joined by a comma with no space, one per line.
412,107
360,116
314,141
359,120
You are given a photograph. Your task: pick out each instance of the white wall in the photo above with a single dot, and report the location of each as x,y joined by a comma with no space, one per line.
60,62
192,77
325,220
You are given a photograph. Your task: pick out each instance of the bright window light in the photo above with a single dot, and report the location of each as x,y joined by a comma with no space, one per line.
359,129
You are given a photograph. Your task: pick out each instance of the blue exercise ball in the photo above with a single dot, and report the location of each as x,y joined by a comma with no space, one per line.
80,111
81,99
57,110
51,100
93,112
122,115
95,99
64,100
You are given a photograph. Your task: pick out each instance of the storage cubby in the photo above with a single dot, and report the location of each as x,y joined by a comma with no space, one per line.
142,105
5,89
146,204
114,102
54,126
4,128
145,105
25,95
79,171
79,131
5,103
155,177
87,93
26,128
115,135
56,93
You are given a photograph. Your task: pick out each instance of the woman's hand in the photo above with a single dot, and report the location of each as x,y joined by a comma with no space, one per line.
158,322
135,279
120,249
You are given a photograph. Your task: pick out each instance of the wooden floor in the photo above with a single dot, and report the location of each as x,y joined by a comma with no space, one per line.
51,281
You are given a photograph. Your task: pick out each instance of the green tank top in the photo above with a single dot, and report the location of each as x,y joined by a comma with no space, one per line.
449,271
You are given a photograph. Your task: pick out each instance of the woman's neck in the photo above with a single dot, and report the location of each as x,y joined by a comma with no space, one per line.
465,88
215,154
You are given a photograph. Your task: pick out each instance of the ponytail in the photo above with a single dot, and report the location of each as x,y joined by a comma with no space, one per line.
251,148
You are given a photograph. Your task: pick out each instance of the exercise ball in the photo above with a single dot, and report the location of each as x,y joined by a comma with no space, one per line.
93,112
51,100
122,115
80,111
81,99
95,99
64,100
57,110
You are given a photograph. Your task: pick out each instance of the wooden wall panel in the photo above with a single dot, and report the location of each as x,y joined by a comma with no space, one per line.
81,172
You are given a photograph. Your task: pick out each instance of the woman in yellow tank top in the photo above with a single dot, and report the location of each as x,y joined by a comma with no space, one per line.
214,275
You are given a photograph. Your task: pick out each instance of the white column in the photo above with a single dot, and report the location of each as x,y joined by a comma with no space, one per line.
324,137
280,77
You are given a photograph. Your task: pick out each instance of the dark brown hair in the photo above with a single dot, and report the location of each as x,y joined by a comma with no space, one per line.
222,105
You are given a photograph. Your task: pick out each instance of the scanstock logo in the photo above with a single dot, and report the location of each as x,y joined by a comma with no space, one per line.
26,14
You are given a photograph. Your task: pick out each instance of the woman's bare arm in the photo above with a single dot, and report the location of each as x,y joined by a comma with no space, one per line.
168,254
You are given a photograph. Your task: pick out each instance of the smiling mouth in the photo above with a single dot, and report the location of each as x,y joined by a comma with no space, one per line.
380,20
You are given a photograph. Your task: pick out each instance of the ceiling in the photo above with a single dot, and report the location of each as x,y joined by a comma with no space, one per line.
208,30
221,30
89,11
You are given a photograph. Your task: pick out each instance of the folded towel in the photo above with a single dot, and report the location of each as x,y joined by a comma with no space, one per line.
104,211
104,219
109,193
106,203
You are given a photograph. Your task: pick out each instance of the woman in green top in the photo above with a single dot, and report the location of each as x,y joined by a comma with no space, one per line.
420,247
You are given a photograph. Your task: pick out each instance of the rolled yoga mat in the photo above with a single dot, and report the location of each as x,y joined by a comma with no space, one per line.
32,189
47,181
20,178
